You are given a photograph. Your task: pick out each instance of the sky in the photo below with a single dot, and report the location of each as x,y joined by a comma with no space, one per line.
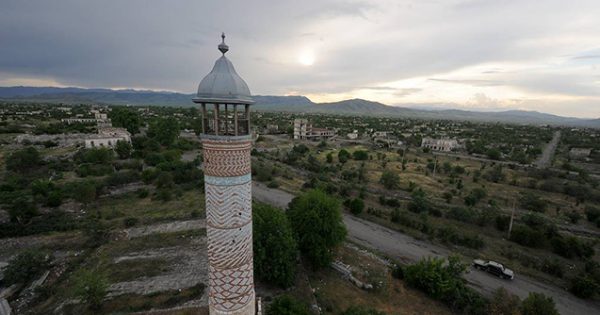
487,55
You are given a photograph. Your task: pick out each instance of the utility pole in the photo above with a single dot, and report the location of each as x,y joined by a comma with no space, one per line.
512,218
434,164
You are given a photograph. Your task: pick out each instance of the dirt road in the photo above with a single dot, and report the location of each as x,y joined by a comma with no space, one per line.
545,159
407,249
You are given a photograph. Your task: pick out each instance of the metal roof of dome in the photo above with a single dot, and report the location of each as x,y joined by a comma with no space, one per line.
223,84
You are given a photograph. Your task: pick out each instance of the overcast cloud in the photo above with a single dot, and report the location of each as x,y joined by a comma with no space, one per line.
480,54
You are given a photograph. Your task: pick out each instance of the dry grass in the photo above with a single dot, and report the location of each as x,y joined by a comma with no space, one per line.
336,294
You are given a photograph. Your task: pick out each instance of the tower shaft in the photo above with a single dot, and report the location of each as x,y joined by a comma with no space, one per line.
228,184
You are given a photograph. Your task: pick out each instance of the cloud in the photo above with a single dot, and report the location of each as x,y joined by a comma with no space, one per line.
171,45
473,82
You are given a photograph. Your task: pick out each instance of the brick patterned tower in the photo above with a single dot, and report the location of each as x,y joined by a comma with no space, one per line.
227,142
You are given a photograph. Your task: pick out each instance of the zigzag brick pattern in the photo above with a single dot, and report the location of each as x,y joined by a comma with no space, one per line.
229,226
228,205
226,159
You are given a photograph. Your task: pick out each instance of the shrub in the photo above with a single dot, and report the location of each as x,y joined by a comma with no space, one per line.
390,180
25,266
142,193
54,199
502,222
533,202
356,206
398,272
538,304
91,287
584,286
475,196
571,246
592,213
23,161
273,184
442,281
287,305
504,303
527,236
360,155
131,221
553,267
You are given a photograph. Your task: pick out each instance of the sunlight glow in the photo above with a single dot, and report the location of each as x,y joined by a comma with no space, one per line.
306,58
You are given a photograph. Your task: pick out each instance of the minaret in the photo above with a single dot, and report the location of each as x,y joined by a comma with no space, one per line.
227,142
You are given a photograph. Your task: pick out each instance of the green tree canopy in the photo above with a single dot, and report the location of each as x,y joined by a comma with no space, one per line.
164,130
343,156
25,266
360,155
274,246
126,118
23,161
390,180
123,149
317,223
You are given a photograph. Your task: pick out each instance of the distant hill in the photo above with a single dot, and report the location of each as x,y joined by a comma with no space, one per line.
282,103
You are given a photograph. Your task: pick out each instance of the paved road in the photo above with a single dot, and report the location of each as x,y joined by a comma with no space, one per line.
407,249
548,153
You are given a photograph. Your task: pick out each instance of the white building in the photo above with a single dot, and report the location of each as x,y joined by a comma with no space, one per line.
445,145
108,137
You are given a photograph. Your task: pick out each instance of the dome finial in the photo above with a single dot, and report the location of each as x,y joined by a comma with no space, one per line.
223,47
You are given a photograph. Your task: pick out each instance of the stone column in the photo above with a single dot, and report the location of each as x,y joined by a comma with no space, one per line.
228,184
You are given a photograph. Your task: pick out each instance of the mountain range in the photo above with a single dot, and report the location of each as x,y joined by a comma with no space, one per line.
281,103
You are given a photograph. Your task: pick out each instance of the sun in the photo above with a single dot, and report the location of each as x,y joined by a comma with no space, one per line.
306,58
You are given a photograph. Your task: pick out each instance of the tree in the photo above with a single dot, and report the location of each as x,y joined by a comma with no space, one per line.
495,174
25,266
164,130
164,180
287,305
274,246
475,196
91,287
343,156
493,154
329,157
22,210
317,223
23,161
504,303
123,149
356,206
125,118
360,155
85,192
538,304
419,202
390,180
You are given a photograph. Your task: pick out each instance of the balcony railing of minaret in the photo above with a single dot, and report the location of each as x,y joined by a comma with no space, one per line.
226,119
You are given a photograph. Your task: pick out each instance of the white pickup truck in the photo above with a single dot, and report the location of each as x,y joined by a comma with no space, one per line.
494,268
